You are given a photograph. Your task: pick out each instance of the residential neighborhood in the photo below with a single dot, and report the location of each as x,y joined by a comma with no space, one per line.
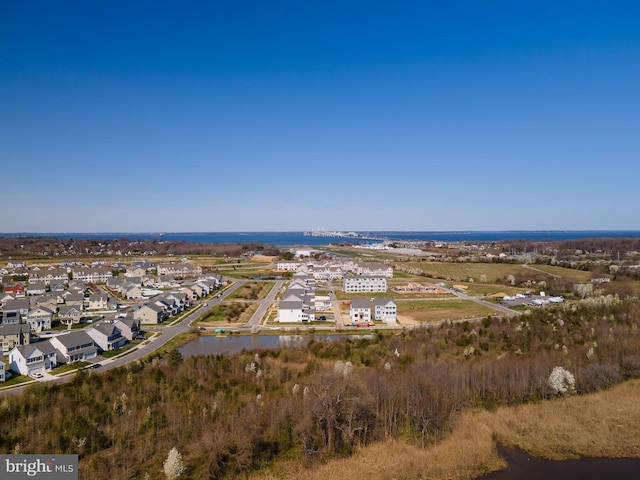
71,312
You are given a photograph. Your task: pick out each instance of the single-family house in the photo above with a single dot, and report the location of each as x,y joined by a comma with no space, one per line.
74,346
17,289
20,305
69,314
11,318
4,298
385,309
74,299
107,336
36,288
360,311
33,358
130,327
39,319
14,335
98,301
150,313
135,271
133,292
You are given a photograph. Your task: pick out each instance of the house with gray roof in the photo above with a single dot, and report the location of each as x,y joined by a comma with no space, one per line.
130,327
14,335
385,309
20,305
69,314
360,311
107,336
74,347
39,319
151,313
33,358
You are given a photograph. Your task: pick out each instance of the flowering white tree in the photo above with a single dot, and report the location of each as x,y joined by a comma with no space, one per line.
562,381
173,465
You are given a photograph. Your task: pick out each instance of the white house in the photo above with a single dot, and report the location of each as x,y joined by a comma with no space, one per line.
2,377
385,309
39,319
33,358
360,311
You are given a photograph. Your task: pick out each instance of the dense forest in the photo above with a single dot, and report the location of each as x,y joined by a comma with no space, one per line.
230,415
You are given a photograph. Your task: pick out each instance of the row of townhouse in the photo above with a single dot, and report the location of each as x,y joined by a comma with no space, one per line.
384,309
91,275
336,271
47,277
37,358
179,269
298,301
161,307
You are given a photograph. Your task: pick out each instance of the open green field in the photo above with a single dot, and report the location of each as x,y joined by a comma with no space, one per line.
428,311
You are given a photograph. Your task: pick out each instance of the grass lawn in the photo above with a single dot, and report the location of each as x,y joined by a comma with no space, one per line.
69,368
437,310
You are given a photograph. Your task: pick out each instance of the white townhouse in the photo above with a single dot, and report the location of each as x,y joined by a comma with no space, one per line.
385,309
360,311
49,276
33,358
74,346
375,269
287,266
92,275
358,284
107,336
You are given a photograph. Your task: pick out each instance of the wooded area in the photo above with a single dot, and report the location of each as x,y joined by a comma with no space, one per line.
230,415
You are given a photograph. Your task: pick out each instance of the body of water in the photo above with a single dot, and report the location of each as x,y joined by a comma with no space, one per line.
209,345
286,239
522,466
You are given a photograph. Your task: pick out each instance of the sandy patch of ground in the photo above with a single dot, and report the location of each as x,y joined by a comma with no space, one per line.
406,320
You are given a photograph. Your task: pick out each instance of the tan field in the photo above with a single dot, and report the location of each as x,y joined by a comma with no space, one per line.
599,425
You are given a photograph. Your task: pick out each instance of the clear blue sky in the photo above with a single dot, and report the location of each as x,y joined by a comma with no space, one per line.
287,115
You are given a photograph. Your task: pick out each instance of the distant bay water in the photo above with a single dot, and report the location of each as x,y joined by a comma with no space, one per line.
287,239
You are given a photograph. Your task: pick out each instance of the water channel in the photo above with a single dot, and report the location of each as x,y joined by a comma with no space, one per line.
522,466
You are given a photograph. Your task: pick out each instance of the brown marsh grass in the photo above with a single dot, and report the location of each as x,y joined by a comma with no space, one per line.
604,424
